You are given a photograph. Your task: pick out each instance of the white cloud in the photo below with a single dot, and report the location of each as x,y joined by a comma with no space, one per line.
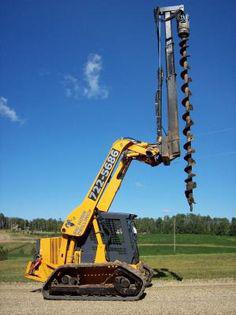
90,87
6,111
167,211
139,184
72,86
92,72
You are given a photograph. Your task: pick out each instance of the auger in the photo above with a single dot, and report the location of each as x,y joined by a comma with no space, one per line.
164,16
183,32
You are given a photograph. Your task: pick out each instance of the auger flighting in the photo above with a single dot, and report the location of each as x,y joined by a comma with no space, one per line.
171,140
183,32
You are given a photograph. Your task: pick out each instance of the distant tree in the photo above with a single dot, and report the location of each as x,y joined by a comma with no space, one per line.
221,226
206,224
167,225
2,221
185,223
159,225
180,223
232,230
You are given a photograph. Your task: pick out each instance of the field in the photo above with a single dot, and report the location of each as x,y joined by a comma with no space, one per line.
207,264
196,256
162,244
188,239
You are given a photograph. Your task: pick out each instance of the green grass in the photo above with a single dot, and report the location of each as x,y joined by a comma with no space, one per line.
201,266
13,270
14,267
162,244
17,250
187,239
197,256
168,250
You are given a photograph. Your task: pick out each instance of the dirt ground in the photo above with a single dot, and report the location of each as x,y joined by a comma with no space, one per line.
164,297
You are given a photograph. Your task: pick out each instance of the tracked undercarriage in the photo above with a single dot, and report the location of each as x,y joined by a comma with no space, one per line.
110,281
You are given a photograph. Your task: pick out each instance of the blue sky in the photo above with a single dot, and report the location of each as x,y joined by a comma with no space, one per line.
77,75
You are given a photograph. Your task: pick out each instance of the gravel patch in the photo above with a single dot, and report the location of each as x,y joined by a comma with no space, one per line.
164,297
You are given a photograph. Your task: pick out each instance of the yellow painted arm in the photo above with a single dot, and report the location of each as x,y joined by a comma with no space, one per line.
108,181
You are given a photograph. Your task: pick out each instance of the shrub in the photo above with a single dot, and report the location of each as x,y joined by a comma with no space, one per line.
3,253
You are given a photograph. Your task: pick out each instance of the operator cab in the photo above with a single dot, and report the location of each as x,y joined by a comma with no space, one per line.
119,235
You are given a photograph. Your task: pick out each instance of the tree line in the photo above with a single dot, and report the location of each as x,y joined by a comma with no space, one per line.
184,224
187,224
35,225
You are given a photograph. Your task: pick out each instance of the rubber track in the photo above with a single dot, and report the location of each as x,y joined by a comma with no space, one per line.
136,273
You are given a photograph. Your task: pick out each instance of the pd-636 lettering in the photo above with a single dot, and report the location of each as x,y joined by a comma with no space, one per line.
107,166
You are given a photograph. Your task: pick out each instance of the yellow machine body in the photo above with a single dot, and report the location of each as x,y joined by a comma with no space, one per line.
58,251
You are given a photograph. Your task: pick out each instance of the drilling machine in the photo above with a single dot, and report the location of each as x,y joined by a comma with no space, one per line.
96,257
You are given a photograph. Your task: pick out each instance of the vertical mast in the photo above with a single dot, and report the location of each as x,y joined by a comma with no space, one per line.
172,103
